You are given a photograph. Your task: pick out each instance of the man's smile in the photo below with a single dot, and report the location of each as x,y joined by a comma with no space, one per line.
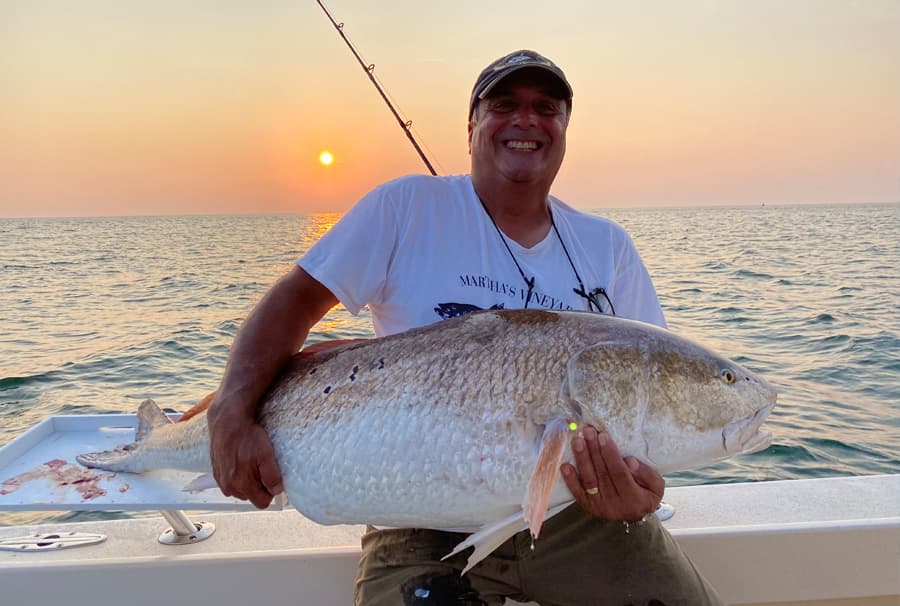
522,145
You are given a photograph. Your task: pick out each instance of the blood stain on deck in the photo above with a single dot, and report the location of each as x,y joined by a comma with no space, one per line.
60,473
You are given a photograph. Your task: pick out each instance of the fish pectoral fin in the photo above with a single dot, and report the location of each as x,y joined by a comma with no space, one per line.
490,537
150,416
546,471
200,483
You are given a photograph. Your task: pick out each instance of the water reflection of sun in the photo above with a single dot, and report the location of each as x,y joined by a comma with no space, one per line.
315,226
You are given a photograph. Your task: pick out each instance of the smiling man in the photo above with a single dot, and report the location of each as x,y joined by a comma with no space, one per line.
420,249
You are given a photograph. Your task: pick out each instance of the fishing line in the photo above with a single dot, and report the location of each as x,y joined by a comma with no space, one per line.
369,69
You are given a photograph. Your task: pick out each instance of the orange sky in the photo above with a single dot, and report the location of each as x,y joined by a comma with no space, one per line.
116,108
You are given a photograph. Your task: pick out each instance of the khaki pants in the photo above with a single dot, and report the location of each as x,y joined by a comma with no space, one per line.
577,561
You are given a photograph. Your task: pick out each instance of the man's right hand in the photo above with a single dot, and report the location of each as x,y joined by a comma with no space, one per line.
243,459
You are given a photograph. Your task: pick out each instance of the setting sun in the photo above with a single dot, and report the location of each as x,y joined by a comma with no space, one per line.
326,158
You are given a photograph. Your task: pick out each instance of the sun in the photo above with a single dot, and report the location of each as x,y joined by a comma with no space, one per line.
325,158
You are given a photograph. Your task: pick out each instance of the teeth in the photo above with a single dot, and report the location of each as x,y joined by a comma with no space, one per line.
522,145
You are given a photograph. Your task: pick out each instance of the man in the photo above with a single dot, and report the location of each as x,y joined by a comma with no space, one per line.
420,249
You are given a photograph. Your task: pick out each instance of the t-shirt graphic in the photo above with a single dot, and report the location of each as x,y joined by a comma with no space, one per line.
454,310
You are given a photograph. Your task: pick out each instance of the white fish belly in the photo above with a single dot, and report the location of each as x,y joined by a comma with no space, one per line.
407,467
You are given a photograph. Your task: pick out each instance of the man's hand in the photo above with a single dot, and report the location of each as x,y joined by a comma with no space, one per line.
243,459
608,486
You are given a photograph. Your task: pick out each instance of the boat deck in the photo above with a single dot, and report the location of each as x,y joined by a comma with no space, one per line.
787,542
832,541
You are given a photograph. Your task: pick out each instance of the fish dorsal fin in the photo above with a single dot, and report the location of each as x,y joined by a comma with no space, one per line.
150,416
545,473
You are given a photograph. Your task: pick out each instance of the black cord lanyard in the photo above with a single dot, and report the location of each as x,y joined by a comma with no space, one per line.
590,297
528,283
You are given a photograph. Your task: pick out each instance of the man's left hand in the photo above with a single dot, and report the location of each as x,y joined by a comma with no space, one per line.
608,486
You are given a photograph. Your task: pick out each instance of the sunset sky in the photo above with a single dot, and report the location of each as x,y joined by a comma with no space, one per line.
128,107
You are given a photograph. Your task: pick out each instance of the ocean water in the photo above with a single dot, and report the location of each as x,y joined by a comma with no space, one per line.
97,314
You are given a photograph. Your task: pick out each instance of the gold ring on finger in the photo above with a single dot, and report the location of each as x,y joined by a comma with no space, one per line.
592,491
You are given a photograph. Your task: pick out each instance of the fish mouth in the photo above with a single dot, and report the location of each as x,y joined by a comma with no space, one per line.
744,436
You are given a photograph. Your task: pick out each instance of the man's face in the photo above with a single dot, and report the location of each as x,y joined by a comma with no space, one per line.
518,134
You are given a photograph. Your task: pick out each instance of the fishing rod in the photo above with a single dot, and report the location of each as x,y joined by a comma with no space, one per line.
405,125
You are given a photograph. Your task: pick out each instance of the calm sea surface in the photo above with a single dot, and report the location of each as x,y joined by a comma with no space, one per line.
98,314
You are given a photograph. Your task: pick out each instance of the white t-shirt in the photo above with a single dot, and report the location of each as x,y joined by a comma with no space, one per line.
421,249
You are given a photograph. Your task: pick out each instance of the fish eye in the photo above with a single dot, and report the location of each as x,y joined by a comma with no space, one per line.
728,376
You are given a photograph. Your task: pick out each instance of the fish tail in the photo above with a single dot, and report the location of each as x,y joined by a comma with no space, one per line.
124,458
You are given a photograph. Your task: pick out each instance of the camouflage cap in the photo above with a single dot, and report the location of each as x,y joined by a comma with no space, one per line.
513,62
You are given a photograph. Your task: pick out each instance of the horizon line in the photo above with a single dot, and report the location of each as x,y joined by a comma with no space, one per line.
323,212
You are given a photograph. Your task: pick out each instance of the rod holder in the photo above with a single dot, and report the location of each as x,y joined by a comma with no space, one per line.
183,531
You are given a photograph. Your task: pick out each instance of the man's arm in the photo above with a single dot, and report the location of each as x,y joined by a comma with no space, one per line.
242,456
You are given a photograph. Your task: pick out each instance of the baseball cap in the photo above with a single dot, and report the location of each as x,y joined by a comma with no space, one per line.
506,65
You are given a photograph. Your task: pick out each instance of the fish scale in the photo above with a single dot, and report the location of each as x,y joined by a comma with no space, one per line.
461,425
